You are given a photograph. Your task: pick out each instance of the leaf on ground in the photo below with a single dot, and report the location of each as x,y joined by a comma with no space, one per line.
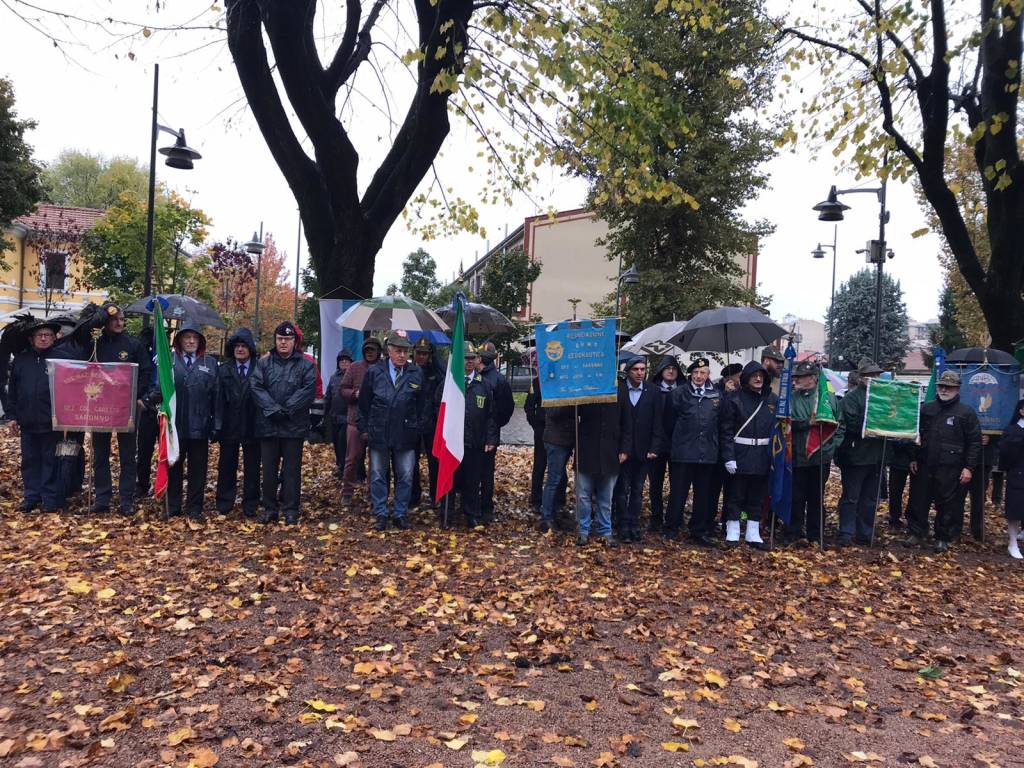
794,743
488,758
382,734
714,677
675,746
733,726
456,744
864,757
203,758
182,734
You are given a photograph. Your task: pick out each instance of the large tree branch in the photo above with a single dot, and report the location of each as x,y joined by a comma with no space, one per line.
354,48
908,56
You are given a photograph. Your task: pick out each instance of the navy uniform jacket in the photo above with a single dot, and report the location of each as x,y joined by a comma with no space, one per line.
392,416
689,426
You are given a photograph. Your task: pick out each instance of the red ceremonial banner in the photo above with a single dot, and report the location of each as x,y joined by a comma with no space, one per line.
92,397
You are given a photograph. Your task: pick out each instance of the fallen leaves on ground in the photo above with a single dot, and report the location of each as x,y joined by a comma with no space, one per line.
147,643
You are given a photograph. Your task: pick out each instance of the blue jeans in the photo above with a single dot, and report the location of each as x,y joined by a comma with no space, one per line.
380,461
557,458
593,491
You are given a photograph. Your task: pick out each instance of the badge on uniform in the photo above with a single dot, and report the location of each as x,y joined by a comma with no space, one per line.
950,420
123,355
481,401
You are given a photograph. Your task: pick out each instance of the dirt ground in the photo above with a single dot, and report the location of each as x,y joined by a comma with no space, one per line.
148,643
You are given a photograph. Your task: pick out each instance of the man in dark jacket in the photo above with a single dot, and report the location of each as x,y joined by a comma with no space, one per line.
603,438
433,383
116,346
480,436
234,426
666,378
283,387
559,439
337,410
747,420
195,390
638,405
391,409
810,472
355,444
689,432
860,459
504,406
28,404
727,383
950,446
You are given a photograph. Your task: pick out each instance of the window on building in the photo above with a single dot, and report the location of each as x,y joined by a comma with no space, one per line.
55,271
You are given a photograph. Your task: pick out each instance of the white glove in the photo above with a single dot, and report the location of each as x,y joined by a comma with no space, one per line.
730,467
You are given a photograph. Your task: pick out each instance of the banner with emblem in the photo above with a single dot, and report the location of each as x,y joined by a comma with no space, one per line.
576,362
92,397
893,409
992,391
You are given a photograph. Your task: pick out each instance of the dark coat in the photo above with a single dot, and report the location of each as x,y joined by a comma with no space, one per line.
899,454
480,429
688,429
28,390
234,417
504,403
601,439
739,406
560,426
662,433
334,404
1011,461
123,348
535,416
195,390
392,416
857,451
641,418
950,435
283,388
433,388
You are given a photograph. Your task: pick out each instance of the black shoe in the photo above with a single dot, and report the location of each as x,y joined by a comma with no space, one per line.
671,534
609,541
99,509
381,524
291,519
195,517
702,540
28,506
402,524
50,510
581,540
127,511
862,542
472,522
895,523
268,517
654,526
174,513
732,544
251,514
941,546
844,542
914,541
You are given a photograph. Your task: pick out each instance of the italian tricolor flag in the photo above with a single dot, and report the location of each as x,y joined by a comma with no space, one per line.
168,445
449,445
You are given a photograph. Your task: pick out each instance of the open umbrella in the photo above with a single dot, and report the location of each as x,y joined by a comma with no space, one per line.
981,355
179,307
390,313
481,319
655,340
727,329
437,338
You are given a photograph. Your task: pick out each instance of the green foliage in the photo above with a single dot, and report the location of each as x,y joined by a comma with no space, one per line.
20,186
507,278
689,249
309,310
947,334
115,249
853,318
85,180
419,276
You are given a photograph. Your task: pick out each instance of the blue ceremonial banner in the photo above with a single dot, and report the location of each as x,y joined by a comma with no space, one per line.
992,391
782,445
576,362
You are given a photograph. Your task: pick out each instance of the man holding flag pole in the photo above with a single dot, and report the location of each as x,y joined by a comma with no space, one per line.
169,447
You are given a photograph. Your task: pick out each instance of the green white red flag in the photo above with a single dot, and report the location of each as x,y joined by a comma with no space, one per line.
169,446
824,419
449,443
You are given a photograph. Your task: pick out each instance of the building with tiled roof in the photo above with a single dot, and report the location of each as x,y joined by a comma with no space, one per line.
42,272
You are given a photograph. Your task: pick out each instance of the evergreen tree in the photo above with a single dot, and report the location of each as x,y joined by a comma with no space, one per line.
507,279
20,187
419,276
947,334
853,321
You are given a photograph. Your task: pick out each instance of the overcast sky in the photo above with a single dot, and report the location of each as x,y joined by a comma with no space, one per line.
101,104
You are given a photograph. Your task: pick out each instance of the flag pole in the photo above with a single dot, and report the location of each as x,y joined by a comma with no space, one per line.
821,499
878,493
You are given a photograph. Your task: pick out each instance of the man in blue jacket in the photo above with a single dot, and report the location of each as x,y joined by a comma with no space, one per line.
391,410
283,387
234,426
28,404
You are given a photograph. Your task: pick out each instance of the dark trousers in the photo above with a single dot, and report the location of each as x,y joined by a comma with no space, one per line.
127,477
978,490
940,485
148,432
721,482
227,476
629,495
71,469
859,501
424,447
656,470
997,487
897,485
282,466
540,463
746,494
339,437
808,514
487,486
681,476
196,454
39,470
467,486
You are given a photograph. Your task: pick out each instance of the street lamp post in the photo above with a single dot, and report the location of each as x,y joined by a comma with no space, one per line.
630,277
832,210
179,156
255,247
819,253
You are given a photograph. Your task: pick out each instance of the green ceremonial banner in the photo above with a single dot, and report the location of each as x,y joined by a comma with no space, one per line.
893,409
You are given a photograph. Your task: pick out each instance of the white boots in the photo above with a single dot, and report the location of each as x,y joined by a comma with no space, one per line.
754,532
732,531
753,535
1014,547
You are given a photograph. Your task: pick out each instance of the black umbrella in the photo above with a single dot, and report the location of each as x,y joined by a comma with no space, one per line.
180,308
480,319
727,329
981,355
